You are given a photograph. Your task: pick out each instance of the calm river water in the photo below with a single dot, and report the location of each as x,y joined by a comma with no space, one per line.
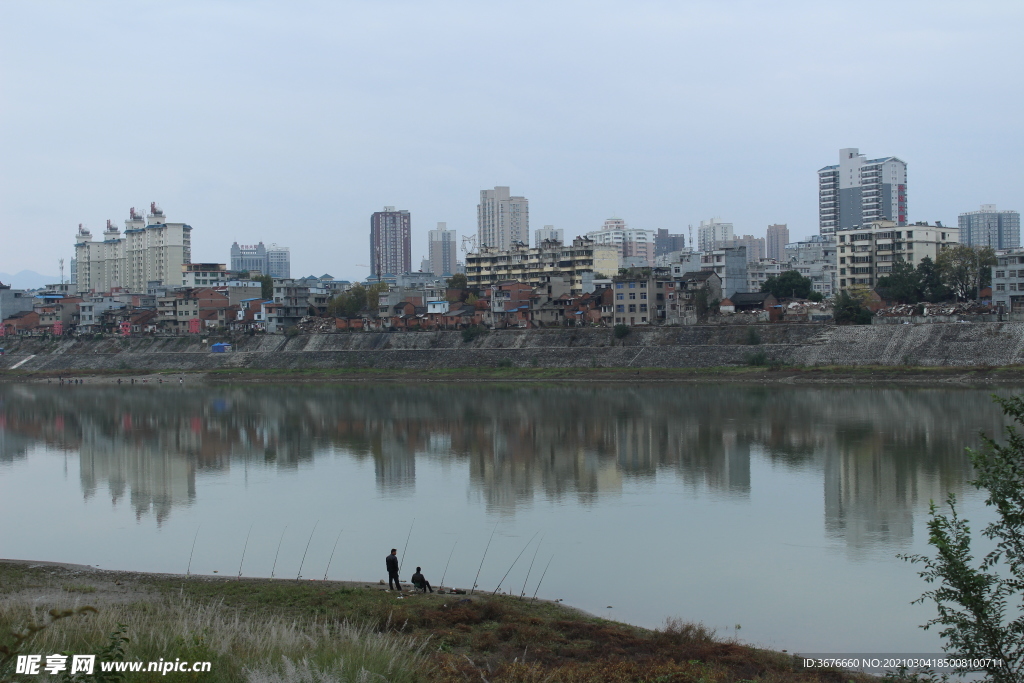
771,514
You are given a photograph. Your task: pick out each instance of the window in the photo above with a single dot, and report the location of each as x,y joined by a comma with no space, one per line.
618,285
632,308
632,295
643,295
632,285
619,296
643,308
619,308
1000,288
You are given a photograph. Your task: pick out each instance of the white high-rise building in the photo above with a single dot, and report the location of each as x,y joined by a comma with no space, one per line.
442,251
711,233
549,233
635,246
858,191
151,250
501,219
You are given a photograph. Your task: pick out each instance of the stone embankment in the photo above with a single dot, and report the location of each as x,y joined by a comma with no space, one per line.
964,344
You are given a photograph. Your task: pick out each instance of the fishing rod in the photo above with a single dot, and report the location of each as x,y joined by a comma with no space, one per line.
514,562
332,555
189,570
541,579
278,551
522,593
483,558
402,561
448,562
307,550
243,551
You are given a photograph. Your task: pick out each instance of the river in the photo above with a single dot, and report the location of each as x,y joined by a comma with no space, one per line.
772,514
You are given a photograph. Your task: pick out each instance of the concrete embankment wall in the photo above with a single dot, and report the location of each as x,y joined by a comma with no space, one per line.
670,347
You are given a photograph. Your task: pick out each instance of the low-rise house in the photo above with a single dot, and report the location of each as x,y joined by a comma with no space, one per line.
22,323
748,301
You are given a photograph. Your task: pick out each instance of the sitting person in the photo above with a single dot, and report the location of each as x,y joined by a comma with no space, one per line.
420,582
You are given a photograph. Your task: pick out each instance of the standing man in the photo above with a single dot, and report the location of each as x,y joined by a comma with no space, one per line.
392,563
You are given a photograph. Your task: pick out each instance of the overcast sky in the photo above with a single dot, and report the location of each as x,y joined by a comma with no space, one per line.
291,122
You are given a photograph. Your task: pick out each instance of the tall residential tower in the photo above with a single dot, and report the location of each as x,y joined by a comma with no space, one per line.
990,228
501,219
778,238
151,250
858,191
441,254
390,242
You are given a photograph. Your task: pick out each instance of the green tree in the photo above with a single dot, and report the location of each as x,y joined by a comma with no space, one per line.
903,283
266,287
787,284
848,309
373,293
354,301
978,603
816,296
458,281
965,270
702,304
932,288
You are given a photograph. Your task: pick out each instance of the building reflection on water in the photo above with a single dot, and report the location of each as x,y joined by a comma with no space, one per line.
879,452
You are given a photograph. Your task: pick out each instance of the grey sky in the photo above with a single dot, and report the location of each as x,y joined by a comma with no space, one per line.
293,121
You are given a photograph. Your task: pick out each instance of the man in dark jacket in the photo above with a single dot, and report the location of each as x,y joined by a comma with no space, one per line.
420,582
392,563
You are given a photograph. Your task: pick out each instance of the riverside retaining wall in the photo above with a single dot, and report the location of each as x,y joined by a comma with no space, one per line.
955,344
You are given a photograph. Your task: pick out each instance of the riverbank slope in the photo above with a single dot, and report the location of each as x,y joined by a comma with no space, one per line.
693,347
286,630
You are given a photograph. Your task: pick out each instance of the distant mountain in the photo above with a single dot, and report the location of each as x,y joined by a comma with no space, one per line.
28,279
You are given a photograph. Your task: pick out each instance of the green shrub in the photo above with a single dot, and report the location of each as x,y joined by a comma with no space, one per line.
292,331
472,332
753,338
621,330
758,358
505,363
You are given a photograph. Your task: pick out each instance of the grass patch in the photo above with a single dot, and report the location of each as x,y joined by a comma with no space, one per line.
266,631
78,588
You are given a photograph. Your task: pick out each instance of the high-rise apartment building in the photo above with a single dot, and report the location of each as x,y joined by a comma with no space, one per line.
274,261
390,242
151,250
990,228
279,261
549,233
710,233
754,246
502,220
666,243
441,250
858,191
777,239
635,246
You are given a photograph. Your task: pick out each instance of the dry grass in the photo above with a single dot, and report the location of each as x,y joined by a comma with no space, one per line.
240,647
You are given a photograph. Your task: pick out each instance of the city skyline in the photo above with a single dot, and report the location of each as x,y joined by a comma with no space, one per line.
327,158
